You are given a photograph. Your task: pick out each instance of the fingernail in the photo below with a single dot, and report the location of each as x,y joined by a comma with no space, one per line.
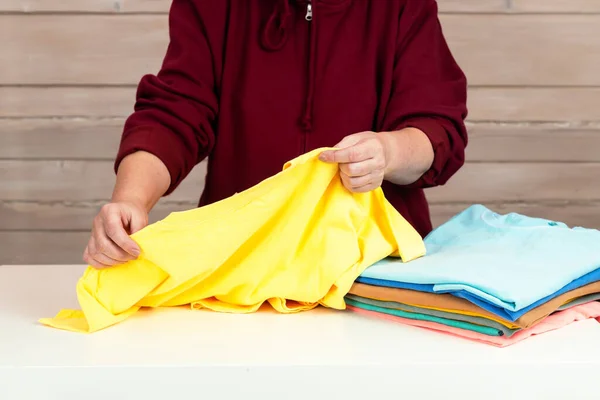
135,252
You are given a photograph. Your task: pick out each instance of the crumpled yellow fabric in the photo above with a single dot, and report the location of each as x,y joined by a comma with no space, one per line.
297,239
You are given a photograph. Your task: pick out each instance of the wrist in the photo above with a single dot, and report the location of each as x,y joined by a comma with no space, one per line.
142,179
397,152
135,200
409,155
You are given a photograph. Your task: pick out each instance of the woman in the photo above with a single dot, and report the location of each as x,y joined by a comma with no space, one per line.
255,83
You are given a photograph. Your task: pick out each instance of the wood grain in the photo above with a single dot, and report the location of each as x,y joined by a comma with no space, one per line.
71,216
146,5
64,215
514,143
500,182
162,6
66,101
86,6
573,214
31,6
71,67
66,247
93,180
60,138
536,104
556,6
75,181
493,49
485,104
80,49
98,139
498,49
471,6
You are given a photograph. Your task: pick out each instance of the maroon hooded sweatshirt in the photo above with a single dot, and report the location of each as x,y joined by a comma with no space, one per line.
251,84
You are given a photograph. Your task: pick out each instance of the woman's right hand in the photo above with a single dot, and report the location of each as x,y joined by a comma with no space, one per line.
110,243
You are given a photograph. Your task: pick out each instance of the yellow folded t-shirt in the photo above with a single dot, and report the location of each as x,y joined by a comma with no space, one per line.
297,239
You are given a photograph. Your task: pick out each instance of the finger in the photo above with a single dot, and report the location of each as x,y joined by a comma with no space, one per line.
103,245
348,184
362,183
361,151
97,251
346,181
356,182
86,256
106,261
137,223
91,261
348,141
365,188
115,231
360,168
97,264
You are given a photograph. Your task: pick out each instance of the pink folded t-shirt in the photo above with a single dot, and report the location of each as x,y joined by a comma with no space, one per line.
550,323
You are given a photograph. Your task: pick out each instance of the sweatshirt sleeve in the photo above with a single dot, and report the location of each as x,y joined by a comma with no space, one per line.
175,109
429,90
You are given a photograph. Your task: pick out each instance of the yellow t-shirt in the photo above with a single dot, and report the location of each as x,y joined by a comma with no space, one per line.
296,240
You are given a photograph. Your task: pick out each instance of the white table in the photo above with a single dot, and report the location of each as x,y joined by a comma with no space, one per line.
322,354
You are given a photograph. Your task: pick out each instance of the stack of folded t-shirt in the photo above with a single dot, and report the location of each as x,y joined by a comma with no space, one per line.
492,278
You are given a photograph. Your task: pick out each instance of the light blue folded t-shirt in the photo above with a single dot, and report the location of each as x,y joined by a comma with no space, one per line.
509,261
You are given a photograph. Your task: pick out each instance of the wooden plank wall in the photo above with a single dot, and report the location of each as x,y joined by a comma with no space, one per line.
68,70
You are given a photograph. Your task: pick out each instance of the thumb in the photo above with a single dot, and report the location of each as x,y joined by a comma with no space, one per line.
348,141
137,222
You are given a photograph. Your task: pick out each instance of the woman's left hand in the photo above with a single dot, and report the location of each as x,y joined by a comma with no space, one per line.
367,158
363,160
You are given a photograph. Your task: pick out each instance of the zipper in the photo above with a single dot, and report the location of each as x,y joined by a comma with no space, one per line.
308,15
312,36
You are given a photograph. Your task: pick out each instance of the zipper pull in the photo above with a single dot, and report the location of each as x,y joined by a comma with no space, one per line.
308,16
